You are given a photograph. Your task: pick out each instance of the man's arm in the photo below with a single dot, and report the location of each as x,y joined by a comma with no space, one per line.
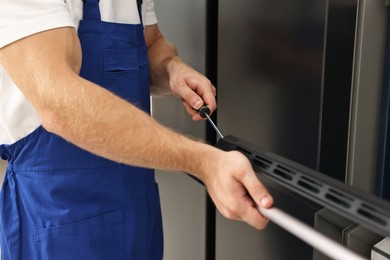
45,66
170,75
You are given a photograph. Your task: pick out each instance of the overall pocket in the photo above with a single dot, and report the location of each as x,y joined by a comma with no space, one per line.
121,73
100,237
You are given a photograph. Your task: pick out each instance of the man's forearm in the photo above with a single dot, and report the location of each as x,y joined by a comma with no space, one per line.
161,52
104,124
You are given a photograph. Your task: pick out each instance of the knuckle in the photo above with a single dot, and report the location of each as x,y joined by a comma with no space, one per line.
241,175
234,211
229,214
232,216
207,82
224,213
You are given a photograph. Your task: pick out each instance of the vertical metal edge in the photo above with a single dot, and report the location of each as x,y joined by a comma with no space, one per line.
366,95
357,57
211,137
337,87
322,85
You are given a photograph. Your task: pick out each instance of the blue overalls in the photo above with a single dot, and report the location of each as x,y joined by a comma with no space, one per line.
61,202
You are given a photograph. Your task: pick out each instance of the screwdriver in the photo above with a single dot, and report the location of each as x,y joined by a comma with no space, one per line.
204,112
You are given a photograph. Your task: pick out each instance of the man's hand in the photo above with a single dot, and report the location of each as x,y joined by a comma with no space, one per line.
194,89
170,75
236,190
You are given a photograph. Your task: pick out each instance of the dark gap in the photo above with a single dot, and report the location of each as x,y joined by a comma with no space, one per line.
283,168
283,174
337,200
371,216
308,186
368,207
263,159
261,164
311,181
340,194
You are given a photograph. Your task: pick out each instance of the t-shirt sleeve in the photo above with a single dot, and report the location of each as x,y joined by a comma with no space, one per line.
22,18
148,13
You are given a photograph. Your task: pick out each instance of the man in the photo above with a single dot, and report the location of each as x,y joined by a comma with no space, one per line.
74,104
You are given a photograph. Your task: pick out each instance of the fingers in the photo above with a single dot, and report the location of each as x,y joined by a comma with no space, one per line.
196,92
245,210
192,112
253,217
237,191
199,88
257,190
208,93
188,95
192,87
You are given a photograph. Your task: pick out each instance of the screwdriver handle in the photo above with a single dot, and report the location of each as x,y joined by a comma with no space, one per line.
204,111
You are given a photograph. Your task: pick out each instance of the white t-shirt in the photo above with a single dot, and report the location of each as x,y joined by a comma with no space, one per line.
21,18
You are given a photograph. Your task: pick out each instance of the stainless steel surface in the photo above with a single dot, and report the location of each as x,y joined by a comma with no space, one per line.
273,50
293,61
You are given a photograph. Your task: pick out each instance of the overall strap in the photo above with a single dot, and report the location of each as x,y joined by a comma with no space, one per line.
91,10
5,153
139,5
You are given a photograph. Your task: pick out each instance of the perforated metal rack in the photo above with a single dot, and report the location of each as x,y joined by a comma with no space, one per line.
364,208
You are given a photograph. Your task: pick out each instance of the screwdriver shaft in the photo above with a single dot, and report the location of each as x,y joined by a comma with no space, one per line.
215,127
